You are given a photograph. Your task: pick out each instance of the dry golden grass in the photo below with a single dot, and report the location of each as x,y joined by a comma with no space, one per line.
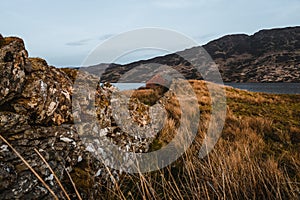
257,156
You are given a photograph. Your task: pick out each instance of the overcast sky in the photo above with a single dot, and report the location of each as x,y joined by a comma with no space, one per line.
64,32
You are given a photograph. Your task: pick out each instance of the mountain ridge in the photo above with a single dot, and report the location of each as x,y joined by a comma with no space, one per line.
269,55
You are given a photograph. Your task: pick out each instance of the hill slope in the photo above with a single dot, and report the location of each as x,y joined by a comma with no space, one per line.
267,56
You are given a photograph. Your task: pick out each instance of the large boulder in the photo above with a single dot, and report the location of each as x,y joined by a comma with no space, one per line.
13,67
36,114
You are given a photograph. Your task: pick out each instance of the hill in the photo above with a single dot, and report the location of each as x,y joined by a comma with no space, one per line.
267,56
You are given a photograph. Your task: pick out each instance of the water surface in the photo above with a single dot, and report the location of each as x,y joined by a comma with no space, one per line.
276,88
128,86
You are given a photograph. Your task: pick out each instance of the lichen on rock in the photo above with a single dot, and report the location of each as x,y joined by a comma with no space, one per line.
46,96
71,120
13,66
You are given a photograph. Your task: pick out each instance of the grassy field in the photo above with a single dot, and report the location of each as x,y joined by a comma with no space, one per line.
256,157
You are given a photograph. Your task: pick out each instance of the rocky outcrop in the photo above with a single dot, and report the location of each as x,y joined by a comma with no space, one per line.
267,56
35,99
13,65
71,120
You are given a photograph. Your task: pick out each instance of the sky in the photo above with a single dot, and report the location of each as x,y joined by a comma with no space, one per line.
65,32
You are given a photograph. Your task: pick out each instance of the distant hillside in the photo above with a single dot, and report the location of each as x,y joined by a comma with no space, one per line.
267,56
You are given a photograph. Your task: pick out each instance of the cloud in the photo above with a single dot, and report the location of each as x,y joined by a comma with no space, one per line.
79,43
106,36
88,40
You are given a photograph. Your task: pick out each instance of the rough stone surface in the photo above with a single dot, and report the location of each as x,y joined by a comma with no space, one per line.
13,66
105,117
71,120
46,96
